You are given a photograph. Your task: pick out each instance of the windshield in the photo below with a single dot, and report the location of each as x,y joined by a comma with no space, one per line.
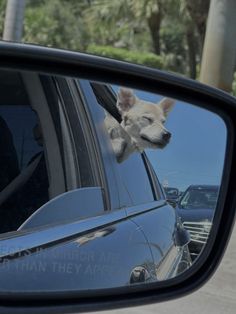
199,198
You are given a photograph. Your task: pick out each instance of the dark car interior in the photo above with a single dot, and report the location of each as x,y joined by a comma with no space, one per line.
23,176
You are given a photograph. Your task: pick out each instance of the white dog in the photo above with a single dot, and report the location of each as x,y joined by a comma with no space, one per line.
143,120
141,127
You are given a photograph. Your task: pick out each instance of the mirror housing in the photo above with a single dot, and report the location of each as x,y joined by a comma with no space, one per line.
53,61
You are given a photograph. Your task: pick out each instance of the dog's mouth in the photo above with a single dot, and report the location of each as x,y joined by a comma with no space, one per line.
159,144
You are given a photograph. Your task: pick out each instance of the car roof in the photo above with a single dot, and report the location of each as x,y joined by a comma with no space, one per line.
203,187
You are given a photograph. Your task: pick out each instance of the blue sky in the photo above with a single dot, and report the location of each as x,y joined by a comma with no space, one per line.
195,154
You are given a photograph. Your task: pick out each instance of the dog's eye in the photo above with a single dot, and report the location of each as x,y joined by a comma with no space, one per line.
163,121
150,120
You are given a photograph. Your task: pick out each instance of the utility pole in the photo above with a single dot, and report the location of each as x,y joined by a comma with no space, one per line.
13,25
219,52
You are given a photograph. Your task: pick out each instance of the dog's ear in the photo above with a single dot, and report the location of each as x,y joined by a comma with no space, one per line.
125,99
166,105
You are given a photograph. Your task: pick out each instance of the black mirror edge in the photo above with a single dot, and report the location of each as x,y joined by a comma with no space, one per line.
46,60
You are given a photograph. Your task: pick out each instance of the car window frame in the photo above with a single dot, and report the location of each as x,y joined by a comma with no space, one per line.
157,188
62,127
92,117
39,103
78,131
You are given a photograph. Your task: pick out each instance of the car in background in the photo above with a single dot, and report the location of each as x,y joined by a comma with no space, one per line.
196,209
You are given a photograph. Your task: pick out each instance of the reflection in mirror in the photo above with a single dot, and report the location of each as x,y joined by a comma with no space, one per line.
189,168
190,162
138,174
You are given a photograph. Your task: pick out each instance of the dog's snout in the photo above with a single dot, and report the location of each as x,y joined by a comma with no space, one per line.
166,136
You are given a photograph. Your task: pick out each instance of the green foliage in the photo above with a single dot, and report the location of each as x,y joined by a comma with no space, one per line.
2,14
173,46
52,24
164,27
145,58
234,85
151,32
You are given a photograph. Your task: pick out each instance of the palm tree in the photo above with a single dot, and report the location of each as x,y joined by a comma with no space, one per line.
13,25
149,12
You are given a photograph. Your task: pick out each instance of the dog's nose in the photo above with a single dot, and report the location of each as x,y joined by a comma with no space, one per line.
166,136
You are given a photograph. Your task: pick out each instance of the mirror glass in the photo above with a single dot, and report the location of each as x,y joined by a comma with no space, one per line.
102,186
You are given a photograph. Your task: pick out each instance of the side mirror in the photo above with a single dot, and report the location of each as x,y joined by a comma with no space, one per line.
172,195
172,202
84,143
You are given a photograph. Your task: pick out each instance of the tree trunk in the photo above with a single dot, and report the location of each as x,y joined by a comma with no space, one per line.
13,26
198,10
219,51
154,24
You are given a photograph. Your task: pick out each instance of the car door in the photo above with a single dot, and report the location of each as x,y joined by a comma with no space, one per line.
141,195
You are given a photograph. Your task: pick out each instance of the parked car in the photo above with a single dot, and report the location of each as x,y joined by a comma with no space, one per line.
196,208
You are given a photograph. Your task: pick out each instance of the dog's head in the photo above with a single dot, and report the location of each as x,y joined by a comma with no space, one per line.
144,121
